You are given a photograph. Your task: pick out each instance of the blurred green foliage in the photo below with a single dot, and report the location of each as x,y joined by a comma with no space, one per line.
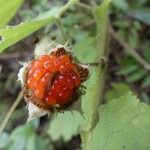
123,120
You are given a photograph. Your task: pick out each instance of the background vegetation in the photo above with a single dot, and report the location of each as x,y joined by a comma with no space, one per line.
116,34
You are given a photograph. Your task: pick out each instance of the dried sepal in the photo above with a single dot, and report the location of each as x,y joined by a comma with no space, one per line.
23,72
34,112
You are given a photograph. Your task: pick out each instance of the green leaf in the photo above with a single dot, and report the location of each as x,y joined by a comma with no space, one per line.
12,34
117,91
19,137
127,69
145,98
122,4
8,10
35,142
85,50
25,138
65,125
4,139
124,124
142,14
146,53
146,82
139,74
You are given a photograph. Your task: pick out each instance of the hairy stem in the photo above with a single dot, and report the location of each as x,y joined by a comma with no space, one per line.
98,72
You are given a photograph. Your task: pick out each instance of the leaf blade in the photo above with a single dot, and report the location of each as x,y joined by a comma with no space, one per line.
65,125
7,7
124,124
13,34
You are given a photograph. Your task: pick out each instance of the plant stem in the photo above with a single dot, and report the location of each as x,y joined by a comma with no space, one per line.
98,72
10,112
85,6
102,53
61,27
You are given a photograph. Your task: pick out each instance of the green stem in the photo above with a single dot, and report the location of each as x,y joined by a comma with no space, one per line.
98,72
61,27
10,112
84,6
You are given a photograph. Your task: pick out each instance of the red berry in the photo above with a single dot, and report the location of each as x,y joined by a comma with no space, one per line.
53,78
63,88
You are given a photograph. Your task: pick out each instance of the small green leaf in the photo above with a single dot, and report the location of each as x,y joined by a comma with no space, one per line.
85,50
146,82
12,34
124,124
127,69
4,140
8,10
65,125
142,14
24,138
19,137
146,53
145,98
117,90
139,74
121,4
35,142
